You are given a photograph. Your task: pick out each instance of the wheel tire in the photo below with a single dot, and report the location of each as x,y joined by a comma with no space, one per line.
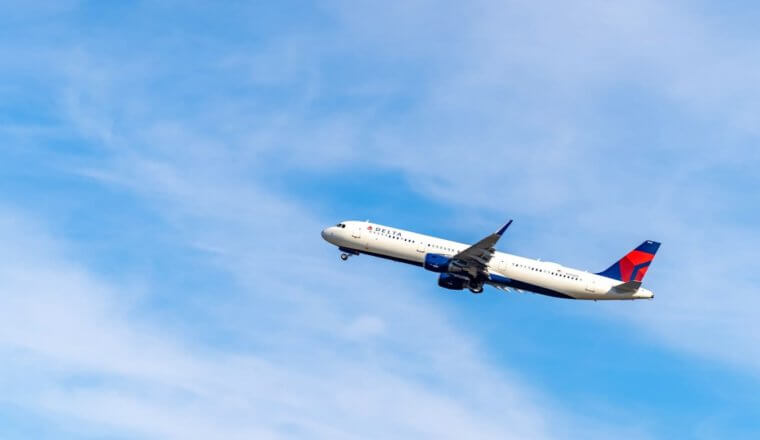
477,290
344,257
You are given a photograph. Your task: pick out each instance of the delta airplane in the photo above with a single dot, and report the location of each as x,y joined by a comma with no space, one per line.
471,267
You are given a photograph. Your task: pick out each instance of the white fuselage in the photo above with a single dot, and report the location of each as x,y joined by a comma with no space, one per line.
505,271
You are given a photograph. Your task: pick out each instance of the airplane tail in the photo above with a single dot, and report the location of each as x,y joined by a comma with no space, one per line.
633,266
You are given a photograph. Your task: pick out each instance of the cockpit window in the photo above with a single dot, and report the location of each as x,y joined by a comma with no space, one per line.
340,225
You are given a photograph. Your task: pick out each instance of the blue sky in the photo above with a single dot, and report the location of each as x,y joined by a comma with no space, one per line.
166,168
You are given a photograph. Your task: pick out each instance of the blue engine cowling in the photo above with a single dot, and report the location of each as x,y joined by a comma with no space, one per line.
449,281
437,263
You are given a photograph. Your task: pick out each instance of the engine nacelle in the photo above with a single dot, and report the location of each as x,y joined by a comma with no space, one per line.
448,281
437,263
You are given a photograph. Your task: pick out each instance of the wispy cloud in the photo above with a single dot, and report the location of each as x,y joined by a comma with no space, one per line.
515,103
531,107
327,366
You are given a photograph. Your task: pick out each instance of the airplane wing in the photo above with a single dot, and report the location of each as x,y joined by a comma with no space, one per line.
475,258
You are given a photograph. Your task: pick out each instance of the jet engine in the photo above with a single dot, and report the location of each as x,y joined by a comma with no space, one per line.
452,282
437,263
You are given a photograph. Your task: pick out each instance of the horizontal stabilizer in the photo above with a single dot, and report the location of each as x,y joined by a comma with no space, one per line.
630,286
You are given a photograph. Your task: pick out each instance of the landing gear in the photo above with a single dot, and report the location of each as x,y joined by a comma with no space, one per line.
347,253
476,289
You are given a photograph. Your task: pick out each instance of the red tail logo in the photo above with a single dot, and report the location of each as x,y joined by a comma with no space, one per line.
634,265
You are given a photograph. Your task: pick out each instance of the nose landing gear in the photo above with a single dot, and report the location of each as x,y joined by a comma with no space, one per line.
347,253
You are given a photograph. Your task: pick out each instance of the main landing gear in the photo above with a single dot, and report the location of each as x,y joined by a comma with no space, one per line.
476,289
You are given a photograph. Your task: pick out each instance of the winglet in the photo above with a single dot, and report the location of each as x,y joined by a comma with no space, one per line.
503,228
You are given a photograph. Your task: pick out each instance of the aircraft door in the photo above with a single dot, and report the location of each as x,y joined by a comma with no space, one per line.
420,246
357,231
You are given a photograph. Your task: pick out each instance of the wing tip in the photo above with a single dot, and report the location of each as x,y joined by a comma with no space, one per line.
504,228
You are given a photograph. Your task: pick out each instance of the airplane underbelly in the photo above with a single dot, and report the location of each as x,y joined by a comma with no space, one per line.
542,285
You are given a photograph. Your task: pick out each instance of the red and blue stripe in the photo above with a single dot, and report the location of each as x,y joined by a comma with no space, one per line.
634,265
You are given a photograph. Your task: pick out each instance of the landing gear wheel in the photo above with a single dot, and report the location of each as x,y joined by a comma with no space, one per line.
476,289
344,257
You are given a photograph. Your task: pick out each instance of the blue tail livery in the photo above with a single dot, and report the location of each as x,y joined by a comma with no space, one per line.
633,266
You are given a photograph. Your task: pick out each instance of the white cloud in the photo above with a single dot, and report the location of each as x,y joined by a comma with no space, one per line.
365,327
503,106
330,363
517,114
511,114
92,358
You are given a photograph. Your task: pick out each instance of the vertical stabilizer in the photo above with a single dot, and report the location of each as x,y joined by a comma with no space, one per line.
633,266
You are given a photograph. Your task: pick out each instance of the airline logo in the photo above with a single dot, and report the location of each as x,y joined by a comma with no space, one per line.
384,231
634,265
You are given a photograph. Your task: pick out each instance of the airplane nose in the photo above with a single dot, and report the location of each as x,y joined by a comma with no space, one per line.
330,234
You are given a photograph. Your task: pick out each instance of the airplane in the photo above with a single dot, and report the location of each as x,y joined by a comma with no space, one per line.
461,266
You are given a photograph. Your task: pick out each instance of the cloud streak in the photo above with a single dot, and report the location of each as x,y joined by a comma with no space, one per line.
95,361
513,103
